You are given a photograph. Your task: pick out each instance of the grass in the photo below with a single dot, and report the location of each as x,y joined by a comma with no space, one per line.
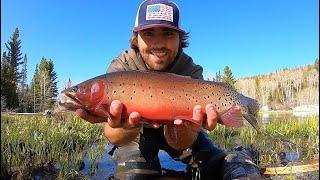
300,136
37,143
31,143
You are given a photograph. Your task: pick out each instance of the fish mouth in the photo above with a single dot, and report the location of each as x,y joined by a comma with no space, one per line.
68,101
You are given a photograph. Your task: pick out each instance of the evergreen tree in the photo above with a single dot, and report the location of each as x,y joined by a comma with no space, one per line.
35,91
316,64
23,101
14,55
12,74
44,86
8,86
5,86
218,77
68,84
227,76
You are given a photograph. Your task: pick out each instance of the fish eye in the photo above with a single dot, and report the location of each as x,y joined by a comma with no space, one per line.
74,89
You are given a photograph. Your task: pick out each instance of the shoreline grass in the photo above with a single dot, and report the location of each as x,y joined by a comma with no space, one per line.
300,136
31,143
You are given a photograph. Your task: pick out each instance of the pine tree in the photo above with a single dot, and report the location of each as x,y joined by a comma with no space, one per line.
23,101
8,86
227,76
14,55
44,86
218,77
5,83
13,76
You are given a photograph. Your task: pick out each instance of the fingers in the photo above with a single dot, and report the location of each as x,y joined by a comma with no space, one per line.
90,118
211,121
134,119
115,114
197,118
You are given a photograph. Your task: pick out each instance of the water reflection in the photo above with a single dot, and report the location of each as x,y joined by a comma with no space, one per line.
265,118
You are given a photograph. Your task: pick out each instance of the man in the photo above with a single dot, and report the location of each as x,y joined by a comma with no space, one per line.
157,45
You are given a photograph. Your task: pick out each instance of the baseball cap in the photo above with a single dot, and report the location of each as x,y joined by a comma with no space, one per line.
157,13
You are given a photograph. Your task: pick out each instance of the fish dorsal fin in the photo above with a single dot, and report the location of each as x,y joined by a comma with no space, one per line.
226,85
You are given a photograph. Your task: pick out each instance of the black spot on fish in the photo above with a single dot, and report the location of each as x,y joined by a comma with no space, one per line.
131,98
134,92
151,96
122,91
114,91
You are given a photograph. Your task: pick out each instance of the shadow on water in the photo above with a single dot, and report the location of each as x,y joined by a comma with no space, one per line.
106,167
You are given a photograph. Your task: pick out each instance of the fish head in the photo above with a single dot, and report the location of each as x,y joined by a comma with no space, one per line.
85,95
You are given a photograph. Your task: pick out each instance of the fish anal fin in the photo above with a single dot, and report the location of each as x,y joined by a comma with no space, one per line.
232,118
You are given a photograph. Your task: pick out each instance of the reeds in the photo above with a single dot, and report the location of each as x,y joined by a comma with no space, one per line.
55,144
299,136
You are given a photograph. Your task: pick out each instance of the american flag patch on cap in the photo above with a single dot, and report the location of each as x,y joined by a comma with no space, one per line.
159,12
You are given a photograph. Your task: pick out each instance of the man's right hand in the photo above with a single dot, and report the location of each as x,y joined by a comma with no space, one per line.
114,120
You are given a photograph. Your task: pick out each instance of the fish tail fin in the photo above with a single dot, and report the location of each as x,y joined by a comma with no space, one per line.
252,120
252,104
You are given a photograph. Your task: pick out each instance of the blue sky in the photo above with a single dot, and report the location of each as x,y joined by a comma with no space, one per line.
82,37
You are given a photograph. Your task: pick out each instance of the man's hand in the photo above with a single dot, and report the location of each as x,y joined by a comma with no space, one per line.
199,118
114,120
182,133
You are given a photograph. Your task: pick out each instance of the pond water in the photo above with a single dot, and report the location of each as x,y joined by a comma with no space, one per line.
106,167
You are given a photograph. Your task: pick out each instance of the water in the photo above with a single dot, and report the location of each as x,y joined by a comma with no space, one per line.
266,118
106,167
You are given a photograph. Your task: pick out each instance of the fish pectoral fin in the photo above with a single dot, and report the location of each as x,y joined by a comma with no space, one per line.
232,118
101,111
252,120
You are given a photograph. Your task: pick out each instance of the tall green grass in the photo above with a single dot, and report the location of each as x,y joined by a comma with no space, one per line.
31,143
300,136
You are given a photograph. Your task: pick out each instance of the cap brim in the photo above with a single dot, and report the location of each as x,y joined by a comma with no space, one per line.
136,29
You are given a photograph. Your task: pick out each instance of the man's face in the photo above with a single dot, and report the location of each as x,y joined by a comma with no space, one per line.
158,47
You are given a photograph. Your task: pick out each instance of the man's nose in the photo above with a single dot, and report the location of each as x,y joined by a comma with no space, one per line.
158,42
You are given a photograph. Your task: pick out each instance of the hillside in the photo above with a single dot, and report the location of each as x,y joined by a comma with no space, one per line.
285,88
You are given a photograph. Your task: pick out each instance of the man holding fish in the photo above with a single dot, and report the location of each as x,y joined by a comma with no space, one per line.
157,45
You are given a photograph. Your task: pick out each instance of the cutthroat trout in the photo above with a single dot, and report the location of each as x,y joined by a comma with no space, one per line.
158,97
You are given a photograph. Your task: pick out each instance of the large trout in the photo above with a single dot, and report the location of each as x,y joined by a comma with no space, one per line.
157,96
